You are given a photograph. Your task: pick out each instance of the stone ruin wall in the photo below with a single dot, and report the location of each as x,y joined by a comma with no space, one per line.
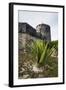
42,31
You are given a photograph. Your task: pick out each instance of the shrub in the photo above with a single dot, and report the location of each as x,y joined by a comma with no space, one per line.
42,50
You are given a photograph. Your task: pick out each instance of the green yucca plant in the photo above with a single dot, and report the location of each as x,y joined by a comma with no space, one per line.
41,50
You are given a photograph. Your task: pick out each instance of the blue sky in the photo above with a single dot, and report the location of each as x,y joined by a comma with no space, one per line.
34,18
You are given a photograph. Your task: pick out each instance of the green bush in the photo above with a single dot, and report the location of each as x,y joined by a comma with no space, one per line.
43,50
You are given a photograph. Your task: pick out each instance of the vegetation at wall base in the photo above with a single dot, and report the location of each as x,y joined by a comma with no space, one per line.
39,61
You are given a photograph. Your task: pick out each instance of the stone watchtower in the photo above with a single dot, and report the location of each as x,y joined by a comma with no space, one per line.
43,31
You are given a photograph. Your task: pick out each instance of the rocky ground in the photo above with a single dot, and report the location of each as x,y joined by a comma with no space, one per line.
28,67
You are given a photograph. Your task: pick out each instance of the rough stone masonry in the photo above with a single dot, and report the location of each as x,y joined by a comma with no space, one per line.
28,33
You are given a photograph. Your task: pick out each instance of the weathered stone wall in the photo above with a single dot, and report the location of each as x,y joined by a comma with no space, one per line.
42,31
23,40
27,33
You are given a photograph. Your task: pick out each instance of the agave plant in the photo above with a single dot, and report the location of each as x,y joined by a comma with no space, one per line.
37,49
42,51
